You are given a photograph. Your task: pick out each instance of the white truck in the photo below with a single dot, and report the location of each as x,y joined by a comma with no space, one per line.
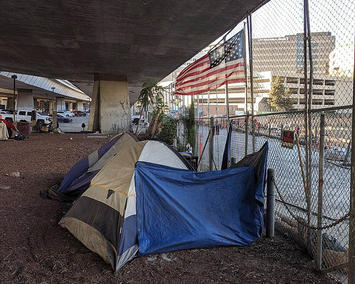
26,115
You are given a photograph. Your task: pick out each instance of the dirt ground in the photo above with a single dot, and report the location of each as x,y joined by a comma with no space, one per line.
34,249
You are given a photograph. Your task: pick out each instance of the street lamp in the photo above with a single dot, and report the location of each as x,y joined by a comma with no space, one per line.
54,107
15,98
54,110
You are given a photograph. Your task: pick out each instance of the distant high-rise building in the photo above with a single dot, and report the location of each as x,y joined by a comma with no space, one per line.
285,54
341,61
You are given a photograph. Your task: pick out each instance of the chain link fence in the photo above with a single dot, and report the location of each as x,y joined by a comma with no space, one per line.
319,220
312,178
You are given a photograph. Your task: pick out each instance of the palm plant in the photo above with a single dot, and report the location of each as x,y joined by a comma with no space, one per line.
148,97
158,112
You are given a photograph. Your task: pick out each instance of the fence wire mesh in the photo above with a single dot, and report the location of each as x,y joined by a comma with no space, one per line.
291,203
292,209
280,45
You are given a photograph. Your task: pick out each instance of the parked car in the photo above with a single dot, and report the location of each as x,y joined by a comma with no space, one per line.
5,111
62,118
26,115
66,113
336,153
80,113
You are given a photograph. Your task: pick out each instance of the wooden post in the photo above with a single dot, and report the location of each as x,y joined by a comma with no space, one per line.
270,204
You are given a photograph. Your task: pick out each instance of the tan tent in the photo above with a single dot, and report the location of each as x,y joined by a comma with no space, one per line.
104,217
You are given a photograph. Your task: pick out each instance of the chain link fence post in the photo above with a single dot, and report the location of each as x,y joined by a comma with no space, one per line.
320,191
211,138
270,204
351,270
246,134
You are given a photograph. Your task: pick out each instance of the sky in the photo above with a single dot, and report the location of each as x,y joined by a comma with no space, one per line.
283,17
278,18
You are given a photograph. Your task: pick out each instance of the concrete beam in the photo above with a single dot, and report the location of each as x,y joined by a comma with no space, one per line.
110,108
142,40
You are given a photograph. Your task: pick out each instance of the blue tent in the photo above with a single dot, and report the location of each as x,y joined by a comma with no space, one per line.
181,209
147,200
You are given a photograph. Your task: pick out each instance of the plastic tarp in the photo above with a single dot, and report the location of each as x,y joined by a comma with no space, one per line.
182,209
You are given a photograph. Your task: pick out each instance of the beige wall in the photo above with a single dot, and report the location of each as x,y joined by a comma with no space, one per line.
110,108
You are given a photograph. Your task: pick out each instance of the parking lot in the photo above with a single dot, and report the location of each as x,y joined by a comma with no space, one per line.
75,125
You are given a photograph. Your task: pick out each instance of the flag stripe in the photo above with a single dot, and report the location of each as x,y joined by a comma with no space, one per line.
205,90
224,64
214,78
239,65
198,72
201,72
194,65
211,83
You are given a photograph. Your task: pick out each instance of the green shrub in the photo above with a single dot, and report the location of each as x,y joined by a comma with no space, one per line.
168,131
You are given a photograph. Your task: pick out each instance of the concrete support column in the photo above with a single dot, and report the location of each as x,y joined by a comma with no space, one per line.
110,108
80,106
25,99
10,103
60,104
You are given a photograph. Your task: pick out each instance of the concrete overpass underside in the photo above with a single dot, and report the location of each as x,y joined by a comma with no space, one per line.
113,40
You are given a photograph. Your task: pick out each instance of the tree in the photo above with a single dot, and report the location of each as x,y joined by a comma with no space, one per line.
147,97
279,97
157,117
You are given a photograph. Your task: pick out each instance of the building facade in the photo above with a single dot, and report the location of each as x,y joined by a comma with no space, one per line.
279,57
285,54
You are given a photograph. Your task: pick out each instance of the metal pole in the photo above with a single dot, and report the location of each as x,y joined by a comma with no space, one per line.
351,270
306,109
15,98
208,104
217,103
54,111
320,192
250,42
245,70
246,134
226,93
227,101
197,142
198,107
270,204
310,90
211,144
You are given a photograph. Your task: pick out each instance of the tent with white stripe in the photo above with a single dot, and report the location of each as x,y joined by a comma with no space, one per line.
104,217
147,199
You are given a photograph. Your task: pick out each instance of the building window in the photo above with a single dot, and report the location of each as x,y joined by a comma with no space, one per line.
329,102
330,82
329,93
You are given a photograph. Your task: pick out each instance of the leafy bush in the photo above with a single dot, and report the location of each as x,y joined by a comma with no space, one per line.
168,131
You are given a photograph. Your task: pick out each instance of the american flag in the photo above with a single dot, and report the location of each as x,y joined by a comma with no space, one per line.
223,64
